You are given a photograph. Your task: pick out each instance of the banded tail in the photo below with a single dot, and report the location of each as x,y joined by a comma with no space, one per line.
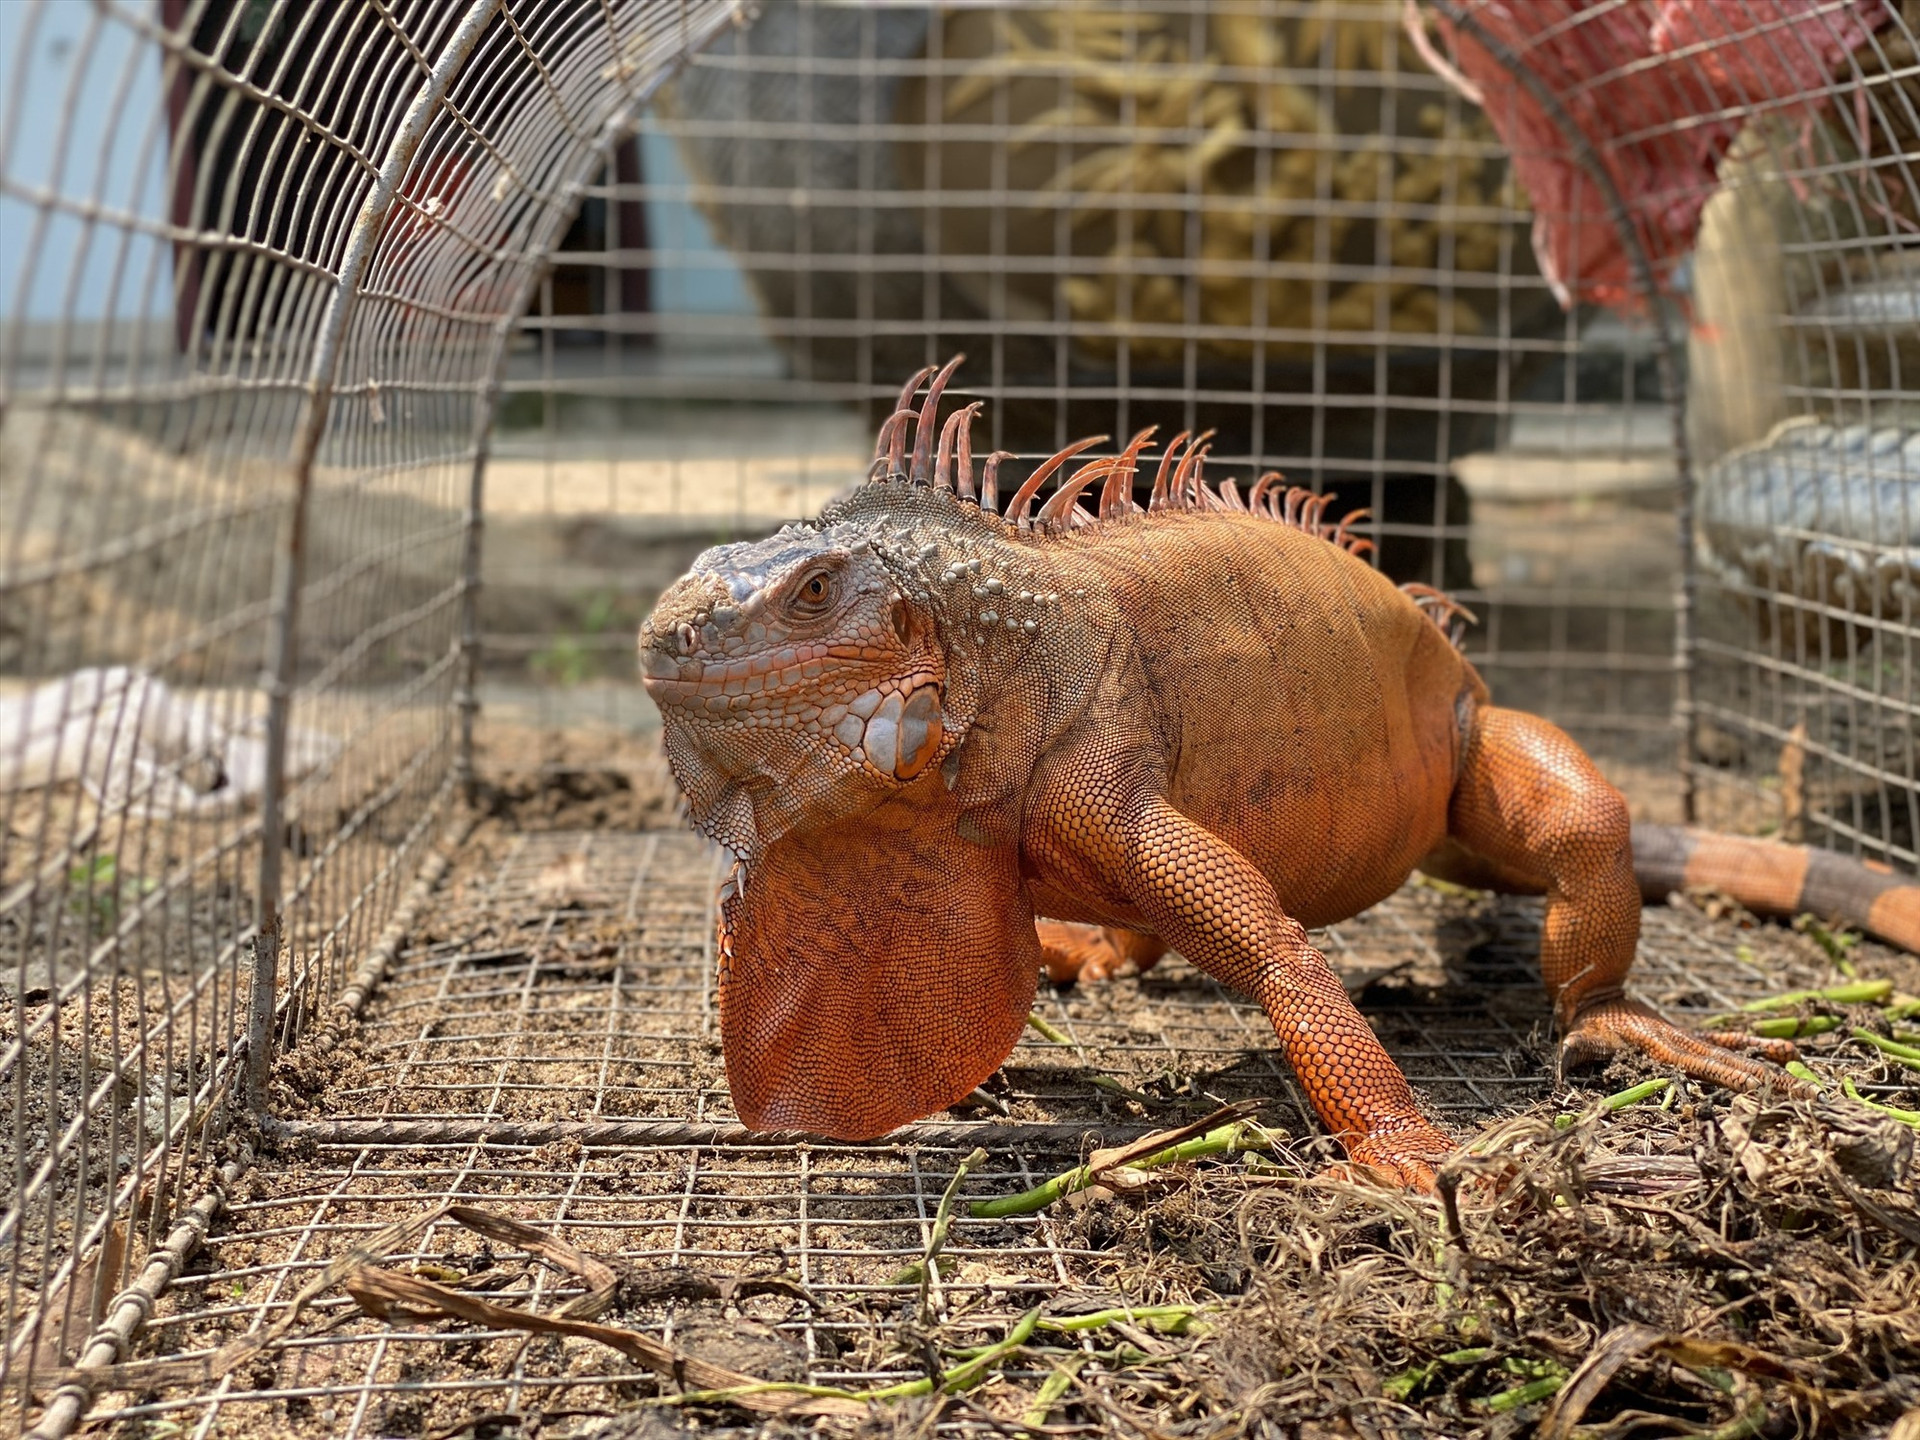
1779,880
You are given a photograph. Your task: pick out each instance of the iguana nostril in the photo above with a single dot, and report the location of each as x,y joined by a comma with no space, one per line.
687,637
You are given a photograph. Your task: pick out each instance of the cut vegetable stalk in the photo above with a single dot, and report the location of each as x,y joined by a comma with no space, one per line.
1910,1117
1046,1031
1855,992
961,1377
1900,1054
1620,1100
1530,1393
1214,1142
937,1239
1779,1027
1168,1319
1051,1390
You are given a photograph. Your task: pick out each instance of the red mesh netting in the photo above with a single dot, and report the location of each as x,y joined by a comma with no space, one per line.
1660,88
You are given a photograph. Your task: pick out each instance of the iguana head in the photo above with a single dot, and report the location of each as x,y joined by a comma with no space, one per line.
806,678
798,682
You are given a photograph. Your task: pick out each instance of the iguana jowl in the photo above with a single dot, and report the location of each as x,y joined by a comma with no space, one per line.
918,724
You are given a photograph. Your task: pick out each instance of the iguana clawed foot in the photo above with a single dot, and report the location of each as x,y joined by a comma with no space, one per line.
1410,1155
1608,1026
1074,951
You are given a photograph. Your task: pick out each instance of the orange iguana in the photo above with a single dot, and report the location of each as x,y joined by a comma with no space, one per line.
918,724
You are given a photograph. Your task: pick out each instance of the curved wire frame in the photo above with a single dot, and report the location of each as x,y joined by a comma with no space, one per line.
264,263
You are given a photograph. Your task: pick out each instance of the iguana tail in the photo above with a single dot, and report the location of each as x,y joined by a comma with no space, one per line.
1784,880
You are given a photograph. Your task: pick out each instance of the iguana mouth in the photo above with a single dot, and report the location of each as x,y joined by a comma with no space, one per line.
739,684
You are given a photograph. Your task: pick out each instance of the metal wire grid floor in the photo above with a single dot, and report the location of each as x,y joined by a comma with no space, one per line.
569,981
575,982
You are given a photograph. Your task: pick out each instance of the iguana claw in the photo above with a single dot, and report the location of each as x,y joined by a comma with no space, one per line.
1607,1027
1410,1157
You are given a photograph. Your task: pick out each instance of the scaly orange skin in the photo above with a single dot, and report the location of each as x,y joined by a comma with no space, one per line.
1204,726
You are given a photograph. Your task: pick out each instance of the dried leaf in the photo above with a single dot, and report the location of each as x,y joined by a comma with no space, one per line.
1624,1344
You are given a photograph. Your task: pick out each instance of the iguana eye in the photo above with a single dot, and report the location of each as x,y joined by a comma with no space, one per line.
815,592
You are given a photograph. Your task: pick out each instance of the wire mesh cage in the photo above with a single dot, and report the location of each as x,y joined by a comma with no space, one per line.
257,306
367,369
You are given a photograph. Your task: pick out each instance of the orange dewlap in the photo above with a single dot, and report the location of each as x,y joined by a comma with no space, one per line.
873,972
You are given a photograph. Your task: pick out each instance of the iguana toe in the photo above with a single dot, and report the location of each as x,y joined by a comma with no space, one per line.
1409,1157
1094,952
1610,1026
1077,952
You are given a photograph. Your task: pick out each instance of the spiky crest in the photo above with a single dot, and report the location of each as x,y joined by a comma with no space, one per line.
1158,499
1023,497
1179,484
923,430
1447,613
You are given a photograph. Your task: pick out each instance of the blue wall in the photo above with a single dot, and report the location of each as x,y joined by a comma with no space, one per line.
694,274
61,61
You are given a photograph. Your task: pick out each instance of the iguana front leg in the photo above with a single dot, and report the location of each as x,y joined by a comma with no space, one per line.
1207,901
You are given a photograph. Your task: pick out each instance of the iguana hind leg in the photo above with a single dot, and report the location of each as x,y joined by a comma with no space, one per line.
1073,951
1536,817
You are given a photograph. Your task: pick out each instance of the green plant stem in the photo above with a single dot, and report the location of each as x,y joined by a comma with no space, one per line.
965,1377
961,1377
1800,1072
1530,1393
1168,1319
1409,1382
1051,1389
1046,1031
1856,992
1447,887
1780,1027
1620,1100
1741,1426
1903,1054
1911,1117
1414,1379
942,1222
1904,1007
1837,941
1214,1142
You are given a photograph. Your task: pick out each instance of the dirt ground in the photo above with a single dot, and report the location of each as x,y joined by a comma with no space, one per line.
1693,1264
